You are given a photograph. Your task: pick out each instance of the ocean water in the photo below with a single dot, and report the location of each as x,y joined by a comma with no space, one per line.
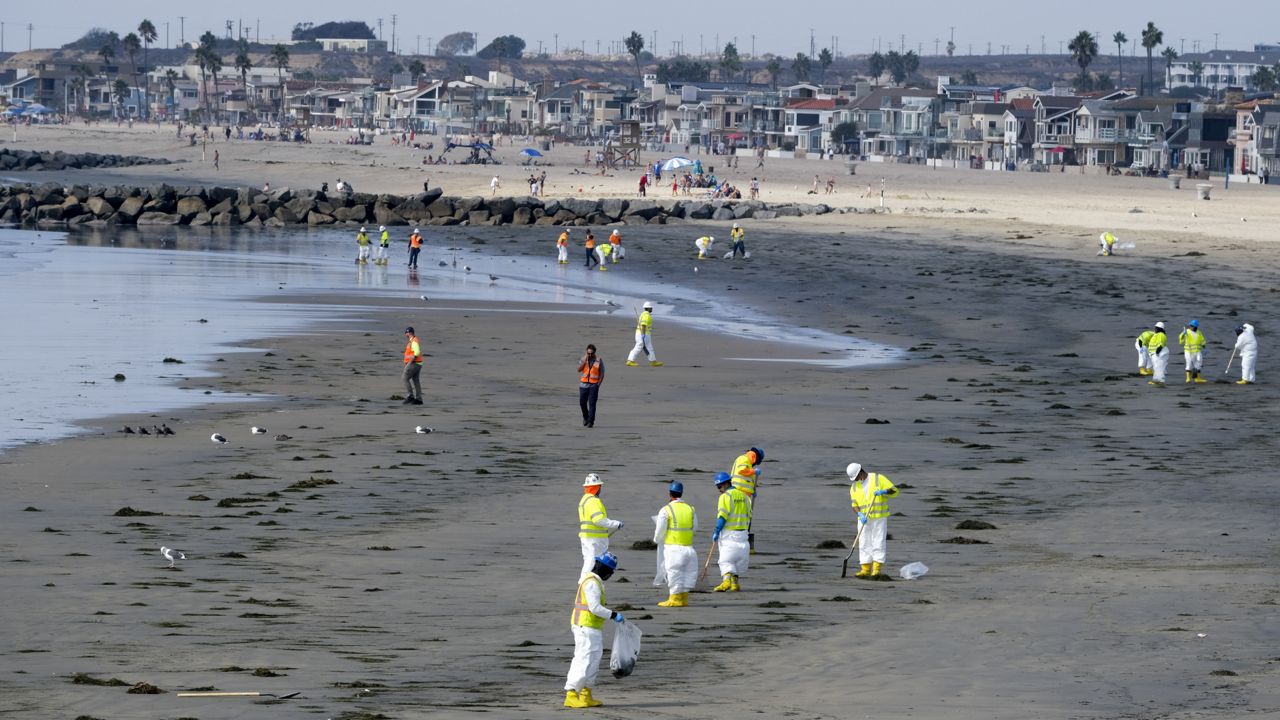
86,305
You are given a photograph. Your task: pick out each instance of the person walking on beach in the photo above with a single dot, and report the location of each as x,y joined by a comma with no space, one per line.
587,623
384,242
755,188
591,368
594,524
1144,357
738,238
733,517
673,532
562,247
1247,348
1158,348
215,159
1193,342
644,183
494,184
415,247
615,239
412,368
644,338
868,493
362,241
590,246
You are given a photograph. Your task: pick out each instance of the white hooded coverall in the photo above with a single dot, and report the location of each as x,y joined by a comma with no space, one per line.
593,546
588,643
1144,357
1247,348
704,244
734,552
679,562
644,338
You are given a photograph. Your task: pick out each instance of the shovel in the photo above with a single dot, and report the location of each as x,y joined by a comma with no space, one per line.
286,696
844,569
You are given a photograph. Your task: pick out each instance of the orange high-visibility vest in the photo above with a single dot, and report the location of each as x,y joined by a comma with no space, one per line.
591,241
591,373
415,240
412,351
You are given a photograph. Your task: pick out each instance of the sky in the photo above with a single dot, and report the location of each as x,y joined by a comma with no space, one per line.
848,28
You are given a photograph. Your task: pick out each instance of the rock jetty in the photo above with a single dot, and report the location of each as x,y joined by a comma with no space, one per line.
54,204
11,159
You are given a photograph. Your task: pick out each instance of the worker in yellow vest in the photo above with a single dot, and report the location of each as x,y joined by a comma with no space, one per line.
1144,358
746,474
673,531
384,242
704,244
868,493
562,247
603,251
1193,342
1158,349
362,242
594,525
738,239
644,338
1108,242
587,623
733,517
615,239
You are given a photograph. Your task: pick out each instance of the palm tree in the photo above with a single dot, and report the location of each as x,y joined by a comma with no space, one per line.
824,61
243,66
416,68
171,82
121,88
107,53
1169,55
875,66
1083,50
147,32
280,58
774,68
132,45
202,59
1151,37
635,43
1119,39
212,60
1197,71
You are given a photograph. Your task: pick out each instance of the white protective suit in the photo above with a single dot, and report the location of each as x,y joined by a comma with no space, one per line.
588,643
734,553
677,564
1144,357
872,540
1159,363
704,244
1247,349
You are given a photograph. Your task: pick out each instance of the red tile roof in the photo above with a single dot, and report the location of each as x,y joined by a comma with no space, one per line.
812,104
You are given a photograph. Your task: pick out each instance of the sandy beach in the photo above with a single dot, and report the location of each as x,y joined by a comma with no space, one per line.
382,573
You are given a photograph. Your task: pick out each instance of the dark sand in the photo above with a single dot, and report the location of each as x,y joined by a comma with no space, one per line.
1133,561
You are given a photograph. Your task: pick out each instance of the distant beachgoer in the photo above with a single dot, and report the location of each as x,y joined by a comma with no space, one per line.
562,247
644,183
814,191
831,185
215,159
494,184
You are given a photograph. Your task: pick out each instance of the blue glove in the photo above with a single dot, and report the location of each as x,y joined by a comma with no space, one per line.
862,517
715,536
617,617
881,492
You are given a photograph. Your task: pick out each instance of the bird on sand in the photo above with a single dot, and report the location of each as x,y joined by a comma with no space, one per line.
218,439
422,430
282,437
493,278
258,430
172,555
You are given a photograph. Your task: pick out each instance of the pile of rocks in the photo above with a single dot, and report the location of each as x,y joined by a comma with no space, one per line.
11,159
53,204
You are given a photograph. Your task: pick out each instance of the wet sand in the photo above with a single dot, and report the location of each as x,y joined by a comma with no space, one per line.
1131,571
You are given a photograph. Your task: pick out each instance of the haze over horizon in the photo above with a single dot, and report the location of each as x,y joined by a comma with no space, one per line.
680,28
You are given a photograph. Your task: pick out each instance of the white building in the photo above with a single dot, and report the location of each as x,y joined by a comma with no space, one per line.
1221,69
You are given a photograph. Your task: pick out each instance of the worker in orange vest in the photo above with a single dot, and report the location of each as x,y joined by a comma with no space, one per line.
590,246
415,246
615,239
592,369
412,368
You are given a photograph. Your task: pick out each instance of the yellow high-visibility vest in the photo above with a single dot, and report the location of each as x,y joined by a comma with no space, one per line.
582,615
679,524
590,508
645,324
1157,342
743,474
866,499
1192,340
735,507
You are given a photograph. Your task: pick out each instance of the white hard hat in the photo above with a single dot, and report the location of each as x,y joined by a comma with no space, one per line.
1160,325
592,480
382,227
711,238
615,231
648,305
415,229
736,226
361,228
852,470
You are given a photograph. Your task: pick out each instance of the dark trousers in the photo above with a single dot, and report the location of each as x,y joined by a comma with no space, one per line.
591,257
740,247
413,257
412,381
587,395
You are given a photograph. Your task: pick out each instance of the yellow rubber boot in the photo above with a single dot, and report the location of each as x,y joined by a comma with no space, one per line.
655,363
1242,381
574,700
683,599
875,569
734,587
1144,372
724,585
1196,377
632,363
864,571
672,601
1188,376
587,700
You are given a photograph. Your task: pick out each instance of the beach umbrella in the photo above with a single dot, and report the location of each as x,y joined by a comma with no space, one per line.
37,109
530,152
676,163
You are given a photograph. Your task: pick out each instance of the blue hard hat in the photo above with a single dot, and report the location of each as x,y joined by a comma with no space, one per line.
722,478
608,560
1194,323
759,454
676,488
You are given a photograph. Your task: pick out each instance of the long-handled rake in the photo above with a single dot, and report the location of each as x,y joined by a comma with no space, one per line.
286,696
844,568
710,551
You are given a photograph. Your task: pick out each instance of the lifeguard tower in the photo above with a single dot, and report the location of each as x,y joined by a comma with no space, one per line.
623,150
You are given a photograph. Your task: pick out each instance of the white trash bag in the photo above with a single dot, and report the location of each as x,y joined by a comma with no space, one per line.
911,571
625,649
660,576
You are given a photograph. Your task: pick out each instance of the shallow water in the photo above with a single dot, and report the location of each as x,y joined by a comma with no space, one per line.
91,304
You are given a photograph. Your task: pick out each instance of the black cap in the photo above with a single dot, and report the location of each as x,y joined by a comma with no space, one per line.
409,329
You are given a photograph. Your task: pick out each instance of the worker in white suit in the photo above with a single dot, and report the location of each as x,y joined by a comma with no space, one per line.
673,531
587,623
1247,349
733,517
594,524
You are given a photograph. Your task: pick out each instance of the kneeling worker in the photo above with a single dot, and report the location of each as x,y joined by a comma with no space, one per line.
733,516
589,614
673,529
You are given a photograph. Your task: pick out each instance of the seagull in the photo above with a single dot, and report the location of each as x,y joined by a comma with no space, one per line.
423,298
282,437
258,430
165,429
695,268
218,439
422,430
127,430
172,555
444,264
142,431
494,278
466,268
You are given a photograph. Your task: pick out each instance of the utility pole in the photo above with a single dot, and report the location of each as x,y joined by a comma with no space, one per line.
701,49
166,35
811,44
902,44
229,24
936,43
30,28
556,36
1042,45
1182,45
417,44
393,32
182,30
753,47
1215,41
1,36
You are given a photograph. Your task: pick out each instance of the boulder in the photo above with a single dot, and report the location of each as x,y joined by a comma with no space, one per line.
551,207
273,222
441,207
613,207
443,221
352,214
226,218
201,219
785,211
741,211
723,213
698,210
159,218
99,207
478,217
470,203
384,215
564,215
217,195
300,206
643,208
131,207
285,215
522,216
581,207
48,194
49,212
431,195
318,218
244,213
189,207
502,208
764,214
413,209
223,206
262,210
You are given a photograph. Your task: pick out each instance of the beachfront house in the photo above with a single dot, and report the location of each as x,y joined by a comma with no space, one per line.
895,123
1208,147
808,123
1019,122
1100,138
1219,69
1056,129
1254,138
975,134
